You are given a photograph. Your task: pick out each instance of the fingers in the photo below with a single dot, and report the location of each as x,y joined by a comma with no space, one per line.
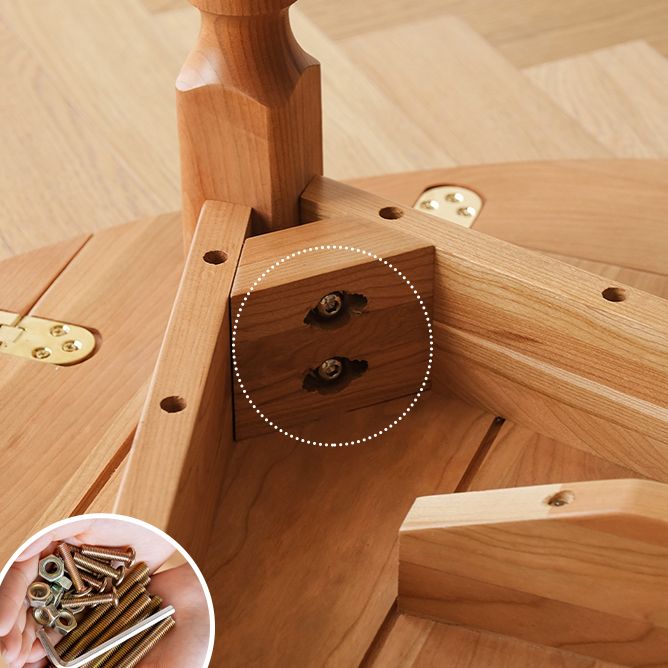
13,593
58,534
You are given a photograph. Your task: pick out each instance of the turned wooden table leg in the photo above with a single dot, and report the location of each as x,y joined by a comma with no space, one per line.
249,109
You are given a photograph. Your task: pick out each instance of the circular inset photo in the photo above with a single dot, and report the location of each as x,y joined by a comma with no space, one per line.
104,591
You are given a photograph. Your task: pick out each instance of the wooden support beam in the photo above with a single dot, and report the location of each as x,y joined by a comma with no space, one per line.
581,566
378,326
249,109
538,323
184,435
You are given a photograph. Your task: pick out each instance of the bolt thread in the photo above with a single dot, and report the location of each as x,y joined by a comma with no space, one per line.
89,601
98,567
146,645
138,576
124,555
65,552
118,654
94,582
129,617
108,617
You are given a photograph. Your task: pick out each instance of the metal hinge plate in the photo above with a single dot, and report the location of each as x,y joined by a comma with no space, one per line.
47,341
454,203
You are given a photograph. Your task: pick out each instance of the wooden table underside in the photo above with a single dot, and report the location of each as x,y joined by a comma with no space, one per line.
304,549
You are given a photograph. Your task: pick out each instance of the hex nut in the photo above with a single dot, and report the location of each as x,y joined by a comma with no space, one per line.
39,595
52,568
59,591
65,622
64,583
46,616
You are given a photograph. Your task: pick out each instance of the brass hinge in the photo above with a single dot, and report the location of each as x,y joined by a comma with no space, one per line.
454,203
48,341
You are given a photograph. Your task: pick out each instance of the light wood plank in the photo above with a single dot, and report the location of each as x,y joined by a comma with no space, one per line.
608,211
121,284
484,111
188,411
619,95
596,562
53,185
423,643
305,537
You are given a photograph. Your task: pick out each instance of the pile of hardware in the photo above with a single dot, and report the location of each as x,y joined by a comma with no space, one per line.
93,595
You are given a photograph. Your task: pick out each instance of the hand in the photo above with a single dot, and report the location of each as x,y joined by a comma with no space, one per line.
18,643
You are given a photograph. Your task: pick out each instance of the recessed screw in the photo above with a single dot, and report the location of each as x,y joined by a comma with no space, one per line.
59,330
330,305
454,197
71,346
467,211
430,204
330,369
41,353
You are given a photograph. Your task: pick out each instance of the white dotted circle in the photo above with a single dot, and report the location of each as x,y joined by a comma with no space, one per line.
355,441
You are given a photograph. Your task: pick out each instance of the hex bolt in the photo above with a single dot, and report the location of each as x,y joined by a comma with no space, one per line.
126,555
65,551
148,642
70,602
330,305
132,586
330,369
100,568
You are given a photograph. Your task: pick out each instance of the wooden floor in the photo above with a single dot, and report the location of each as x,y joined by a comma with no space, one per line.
87,120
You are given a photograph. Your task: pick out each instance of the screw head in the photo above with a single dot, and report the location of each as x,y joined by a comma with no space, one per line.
467,211
330,305
71,346
59,330
454,197
41,353
330,369
430,204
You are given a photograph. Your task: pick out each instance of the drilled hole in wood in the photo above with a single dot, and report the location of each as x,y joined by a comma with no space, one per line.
391,213
614,294
215,257
562,498
173,404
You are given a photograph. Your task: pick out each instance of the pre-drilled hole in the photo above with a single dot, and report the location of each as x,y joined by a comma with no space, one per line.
173,404
215,257
614,294
562,498
391,213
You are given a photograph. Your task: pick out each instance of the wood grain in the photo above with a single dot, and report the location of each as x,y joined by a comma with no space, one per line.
599,558
617,94
277,346
484,121
526,304
184,435
120,283
608,211
248,103
423,643
318,565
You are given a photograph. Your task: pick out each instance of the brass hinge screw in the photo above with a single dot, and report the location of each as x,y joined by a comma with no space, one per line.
147,644
100,568
126,555
65,552
70,602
